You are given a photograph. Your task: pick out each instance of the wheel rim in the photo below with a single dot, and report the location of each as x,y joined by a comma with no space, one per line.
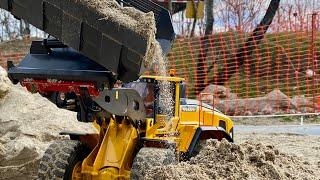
76,172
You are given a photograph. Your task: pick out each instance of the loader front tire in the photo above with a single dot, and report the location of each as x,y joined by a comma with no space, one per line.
61,158
149,157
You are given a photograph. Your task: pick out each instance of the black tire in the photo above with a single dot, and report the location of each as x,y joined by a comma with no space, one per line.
149,157
60,158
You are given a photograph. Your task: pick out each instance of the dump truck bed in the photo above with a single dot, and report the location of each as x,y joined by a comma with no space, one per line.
121,50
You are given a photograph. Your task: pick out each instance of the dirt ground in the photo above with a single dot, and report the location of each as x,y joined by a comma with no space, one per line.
261,121
305,147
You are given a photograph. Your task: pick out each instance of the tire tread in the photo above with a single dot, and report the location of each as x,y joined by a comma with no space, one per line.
57,158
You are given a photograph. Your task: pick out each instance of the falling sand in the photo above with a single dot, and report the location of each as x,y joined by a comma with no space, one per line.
166,95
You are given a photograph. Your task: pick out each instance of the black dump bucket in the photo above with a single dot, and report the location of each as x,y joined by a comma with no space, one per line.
60,63
117,49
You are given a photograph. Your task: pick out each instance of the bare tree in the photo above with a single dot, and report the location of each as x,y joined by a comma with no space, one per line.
254,39
194,5
302,8
246,50
293,14
240,14
5,23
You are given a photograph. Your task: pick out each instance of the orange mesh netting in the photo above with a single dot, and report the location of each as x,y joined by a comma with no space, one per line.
279,75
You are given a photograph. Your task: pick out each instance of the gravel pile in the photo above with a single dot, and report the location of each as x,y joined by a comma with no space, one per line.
28,123
224,160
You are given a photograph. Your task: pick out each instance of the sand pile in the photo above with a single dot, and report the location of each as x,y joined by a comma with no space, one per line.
28,123
127,18
224,160
4,83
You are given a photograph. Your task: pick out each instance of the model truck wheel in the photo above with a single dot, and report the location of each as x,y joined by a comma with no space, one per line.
62,160
150,157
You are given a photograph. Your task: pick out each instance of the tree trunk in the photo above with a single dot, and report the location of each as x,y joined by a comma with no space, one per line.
27,30
194,5
21,28
254,39
7,26
170,8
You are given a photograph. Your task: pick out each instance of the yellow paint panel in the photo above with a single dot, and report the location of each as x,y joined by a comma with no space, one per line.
163,78
203,117
190,10
114,151
186,136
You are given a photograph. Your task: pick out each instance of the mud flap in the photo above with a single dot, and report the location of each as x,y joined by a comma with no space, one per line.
91,140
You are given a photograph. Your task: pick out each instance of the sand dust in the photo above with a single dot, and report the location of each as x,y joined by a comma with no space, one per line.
248,160
28,123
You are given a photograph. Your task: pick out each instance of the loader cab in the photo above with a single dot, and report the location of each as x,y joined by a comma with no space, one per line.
161,95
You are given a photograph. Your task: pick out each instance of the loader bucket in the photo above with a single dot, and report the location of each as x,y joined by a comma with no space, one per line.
118,49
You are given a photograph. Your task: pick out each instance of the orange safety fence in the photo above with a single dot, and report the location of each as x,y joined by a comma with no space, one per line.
279,75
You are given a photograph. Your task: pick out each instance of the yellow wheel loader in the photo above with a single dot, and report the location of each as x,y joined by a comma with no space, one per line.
145,122
124,147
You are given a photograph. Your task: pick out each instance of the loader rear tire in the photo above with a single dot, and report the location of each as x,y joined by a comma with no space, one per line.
60,159
150,157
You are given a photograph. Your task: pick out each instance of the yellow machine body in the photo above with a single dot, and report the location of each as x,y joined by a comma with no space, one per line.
115,146
195,9
112,156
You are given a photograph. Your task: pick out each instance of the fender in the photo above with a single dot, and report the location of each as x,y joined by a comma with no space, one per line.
203,133
91,140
